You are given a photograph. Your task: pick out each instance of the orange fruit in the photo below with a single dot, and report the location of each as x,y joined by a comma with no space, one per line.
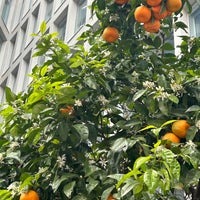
173,5
158,13
68,109
142,14
121,2
153,2
111,197
152,26
110,34
172,138
180,128
30,195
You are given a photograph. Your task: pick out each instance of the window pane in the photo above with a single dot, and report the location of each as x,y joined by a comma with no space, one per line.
49,9
1,42
6,10
197,24
81,14
62,29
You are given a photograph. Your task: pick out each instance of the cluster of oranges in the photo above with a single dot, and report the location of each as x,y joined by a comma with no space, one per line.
179,130
149,14
155,10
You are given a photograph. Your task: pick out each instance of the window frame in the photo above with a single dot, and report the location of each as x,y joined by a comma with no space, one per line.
193,15
81,7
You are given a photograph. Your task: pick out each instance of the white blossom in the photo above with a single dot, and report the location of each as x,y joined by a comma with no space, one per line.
177,88
61,161
14,188
198,124
114,17
13,145
135,74
102,99
78,102
160,89
148,84
1,158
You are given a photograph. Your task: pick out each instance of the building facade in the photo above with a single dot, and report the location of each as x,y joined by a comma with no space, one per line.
20,18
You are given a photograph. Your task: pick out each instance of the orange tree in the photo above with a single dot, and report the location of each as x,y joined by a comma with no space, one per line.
90,124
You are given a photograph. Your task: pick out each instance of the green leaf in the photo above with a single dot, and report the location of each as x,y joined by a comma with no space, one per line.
43,27
127,187
92,184
147,128
140,161
91,82
107,192
121,144
174,99
137,186
5,195
82,131
66,95
68,189
163,108
151,179
191,133
27,182
138,94
166,179
167,123
10,96
194,108
59,180
167,47
43,70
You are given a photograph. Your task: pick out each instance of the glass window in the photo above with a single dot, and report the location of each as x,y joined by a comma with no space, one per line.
6,11
13,41
14,79
195,22
23,35
61,24
2,91
35,20
62,28
49,9
1,42
81,14
26,69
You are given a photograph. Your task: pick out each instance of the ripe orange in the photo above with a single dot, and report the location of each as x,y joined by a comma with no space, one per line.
142,14
153,2
111,197
30,195
110,34
180,128
121,2
171,137
152,26
173,5
158,13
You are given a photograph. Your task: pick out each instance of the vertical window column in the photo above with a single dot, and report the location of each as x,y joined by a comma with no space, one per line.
2,91
49,9
80,14
12,48
195,22
61,24
6,11
12,80
25,69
